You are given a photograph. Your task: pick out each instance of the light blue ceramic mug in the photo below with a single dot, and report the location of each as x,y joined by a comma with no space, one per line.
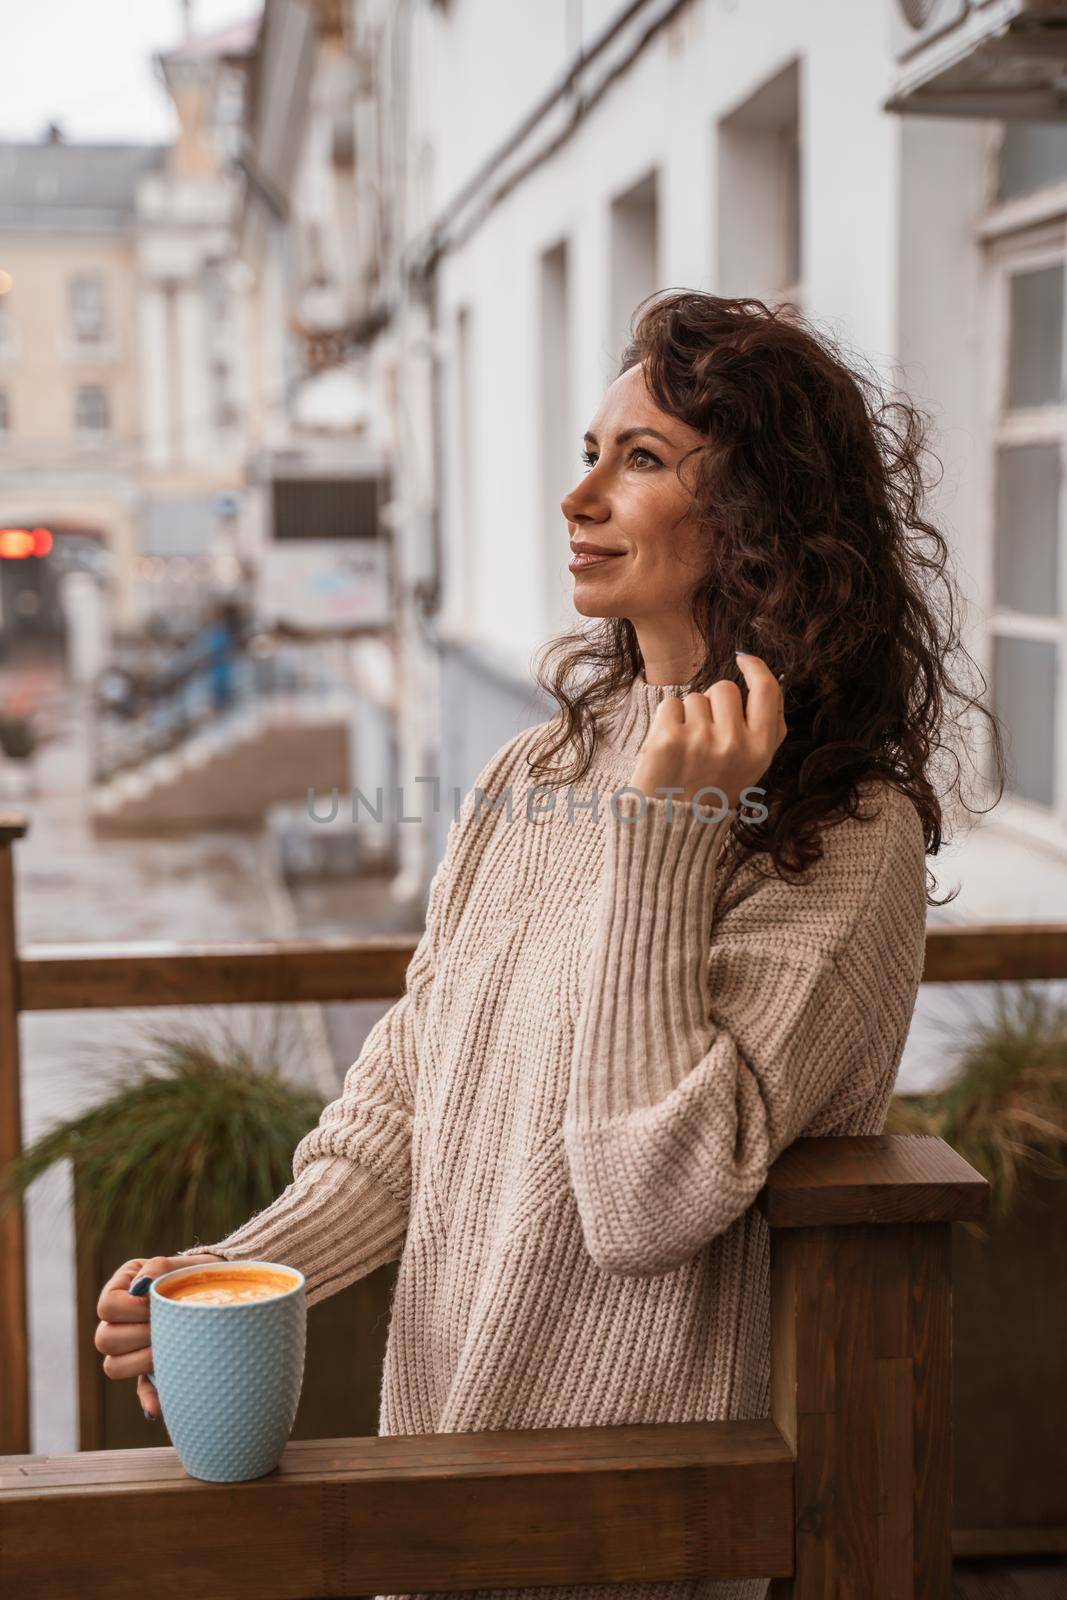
228,1375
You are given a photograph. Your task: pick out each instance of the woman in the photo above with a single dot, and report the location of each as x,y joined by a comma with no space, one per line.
626,1005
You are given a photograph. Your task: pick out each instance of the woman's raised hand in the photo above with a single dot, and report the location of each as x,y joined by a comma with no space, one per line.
710,741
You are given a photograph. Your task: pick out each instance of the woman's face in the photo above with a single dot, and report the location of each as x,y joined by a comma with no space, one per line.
633,501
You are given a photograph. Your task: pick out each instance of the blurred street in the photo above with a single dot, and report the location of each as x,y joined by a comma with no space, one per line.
205,887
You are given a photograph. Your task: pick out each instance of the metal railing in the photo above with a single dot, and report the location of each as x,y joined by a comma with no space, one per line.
167,706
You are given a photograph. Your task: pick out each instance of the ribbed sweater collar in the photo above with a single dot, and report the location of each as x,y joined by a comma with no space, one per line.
631,717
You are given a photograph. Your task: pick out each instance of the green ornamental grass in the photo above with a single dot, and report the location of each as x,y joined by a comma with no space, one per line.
197,1130
1005,1110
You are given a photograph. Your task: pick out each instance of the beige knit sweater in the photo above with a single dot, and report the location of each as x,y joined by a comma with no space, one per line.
560,1128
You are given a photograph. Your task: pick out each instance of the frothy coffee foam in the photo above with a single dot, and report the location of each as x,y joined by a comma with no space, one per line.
230,1288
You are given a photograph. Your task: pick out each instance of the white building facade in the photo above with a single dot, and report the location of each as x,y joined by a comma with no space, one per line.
563,161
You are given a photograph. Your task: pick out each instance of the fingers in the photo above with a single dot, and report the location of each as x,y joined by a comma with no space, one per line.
156,1266
670,711
149,1398
122,1335
119,1338
116,1304
129,1366
724,704
764,711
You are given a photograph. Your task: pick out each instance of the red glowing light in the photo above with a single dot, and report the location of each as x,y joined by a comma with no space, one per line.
15,543
18,543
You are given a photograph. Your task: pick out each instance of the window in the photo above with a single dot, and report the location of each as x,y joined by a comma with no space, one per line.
327,508
462,588
1032,156
223,408
760,231
1027,376
634,255
1029,601
87,319
216,293
560,444
9,337
91,409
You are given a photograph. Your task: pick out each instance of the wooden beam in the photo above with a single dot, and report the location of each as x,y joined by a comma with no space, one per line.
102,977
14,1336
995,952
882,1178
440,1512
861,1390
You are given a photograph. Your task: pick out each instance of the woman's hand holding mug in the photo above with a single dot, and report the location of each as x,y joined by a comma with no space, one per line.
122,1336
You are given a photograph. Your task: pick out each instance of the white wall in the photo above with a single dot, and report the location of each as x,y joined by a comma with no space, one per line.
941,285
663,114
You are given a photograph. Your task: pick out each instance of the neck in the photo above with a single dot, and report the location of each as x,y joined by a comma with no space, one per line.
670,654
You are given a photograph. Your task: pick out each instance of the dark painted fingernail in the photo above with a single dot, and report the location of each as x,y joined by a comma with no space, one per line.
140,1286
150,1416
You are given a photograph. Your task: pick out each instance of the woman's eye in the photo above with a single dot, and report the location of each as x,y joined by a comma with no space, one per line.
647,458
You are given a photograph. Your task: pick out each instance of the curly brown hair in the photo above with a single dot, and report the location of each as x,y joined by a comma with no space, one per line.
810,492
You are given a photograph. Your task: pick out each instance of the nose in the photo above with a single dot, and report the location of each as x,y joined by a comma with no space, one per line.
584,503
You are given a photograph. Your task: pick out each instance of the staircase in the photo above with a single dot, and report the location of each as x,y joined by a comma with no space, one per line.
232,772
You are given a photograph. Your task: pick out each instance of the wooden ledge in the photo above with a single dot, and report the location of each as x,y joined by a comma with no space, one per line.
879,1178
108,977
668,1501
995,952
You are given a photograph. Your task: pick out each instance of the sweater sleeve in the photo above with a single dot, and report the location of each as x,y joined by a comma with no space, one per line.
702,1052
346,1211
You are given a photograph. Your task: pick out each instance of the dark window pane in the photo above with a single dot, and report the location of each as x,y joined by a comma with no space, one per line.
327,508
1035,360
90,409
1027,528
1033,155
1024,698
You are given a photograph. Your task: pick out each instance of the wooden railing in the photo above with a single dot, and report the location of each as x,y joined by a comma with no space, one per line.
844,1490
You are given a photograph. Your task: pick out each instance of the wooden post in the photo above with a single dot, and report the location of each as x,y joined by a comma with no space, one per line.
14,1341
861,1293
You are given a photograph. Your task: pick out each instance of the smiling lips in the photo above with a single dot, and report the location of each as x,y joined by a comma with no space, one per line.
590,555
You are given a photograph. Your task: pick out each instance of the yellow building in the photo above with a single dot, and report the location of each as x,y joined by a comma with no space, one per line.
69,403
124,332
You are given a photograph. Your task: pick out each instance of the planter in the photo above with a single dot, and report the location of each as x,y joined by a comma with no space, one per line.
342,1373
1010,1377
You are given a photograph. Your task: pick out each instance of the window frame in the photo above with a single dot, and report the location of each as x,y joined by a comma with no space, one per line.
79,279
83,430
1008,252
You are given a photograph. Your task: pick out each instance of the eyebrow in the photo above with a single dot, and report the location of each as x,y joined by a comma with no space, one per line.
631,433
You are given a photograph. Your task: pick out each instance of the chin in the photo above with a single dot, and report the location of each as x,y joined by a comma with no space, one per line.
588,605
